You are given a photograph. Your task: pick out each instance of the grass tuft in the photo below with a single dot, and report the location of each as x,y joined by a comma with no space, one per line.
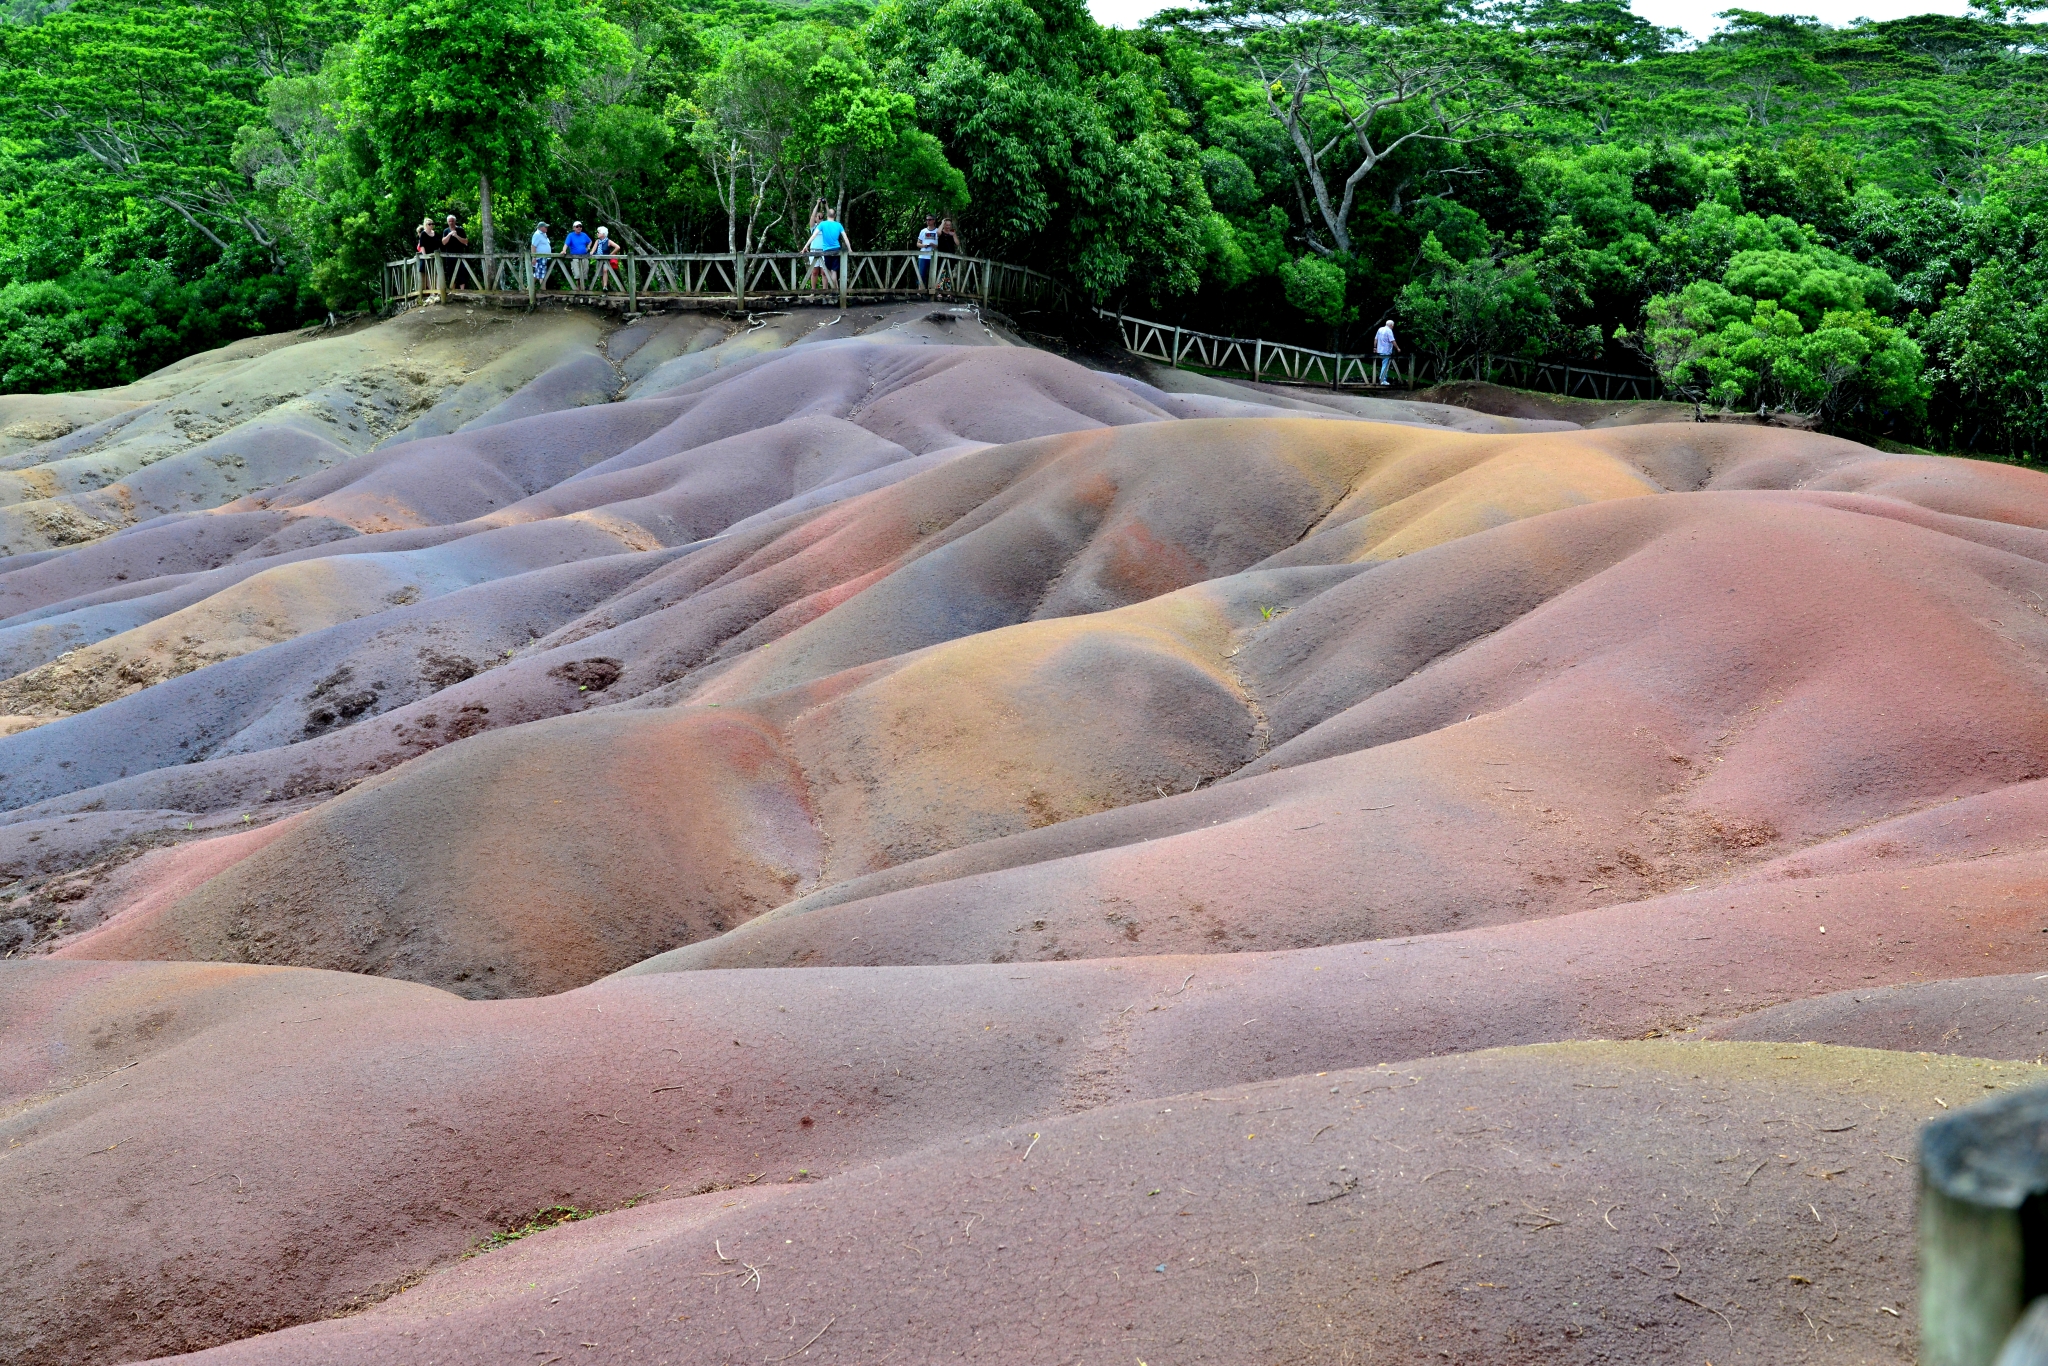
554,1216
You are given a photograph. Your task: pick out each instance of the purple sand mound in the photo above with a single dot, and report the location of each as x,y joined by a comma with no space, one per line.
1979,1017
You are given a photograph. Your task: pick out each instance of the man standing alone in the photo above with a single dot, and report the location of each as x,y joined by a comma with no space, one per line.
1383,344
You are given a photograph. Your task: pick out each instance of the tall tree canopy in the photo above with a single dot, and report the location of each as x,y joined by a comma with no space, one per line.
459,90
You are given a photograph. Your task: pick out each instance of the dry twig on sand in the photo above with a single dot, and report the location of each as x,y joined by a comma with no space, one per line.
813,1338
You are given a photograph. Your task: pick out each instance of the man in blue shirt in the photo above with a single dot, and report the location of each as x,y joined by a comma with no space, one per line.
577,246
830,238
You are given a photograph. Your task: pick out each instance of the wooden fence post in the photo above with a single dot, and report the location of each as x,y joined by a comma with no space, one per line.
632,287
739,280
845,271
1983,1173
526,259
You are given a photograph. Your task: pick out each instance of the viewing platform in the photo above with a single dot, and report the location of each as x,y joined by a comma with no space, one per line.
737,280
742,281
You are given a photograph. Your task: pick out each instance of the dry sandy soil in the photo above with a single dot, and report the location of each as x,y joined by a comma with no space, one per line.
859,839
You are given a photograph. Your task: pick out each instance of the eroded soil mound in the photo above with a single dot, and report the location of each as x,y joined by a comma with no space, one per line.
899,843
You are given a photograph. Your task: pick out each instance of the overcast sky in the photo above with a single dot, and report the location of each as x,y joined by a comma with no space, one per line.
1694,16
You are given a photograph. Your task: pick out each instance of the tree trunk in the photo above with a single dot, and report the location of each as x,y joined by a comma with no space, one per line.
483,213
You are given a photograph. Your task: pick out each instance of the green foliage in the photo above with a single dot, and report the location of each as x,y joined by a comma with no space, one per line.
1846,221
453,91
1068,154
1789,329
135,238
554,1216
120,100
92,329
797,118
1458,309
1315,287
1989,339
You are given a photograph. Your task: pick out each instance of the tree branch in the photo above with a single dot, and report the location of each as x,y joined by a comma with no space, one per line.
186,213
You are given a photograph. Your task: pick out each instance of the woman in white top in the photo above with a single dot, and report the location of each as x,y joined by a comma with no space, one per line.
816,274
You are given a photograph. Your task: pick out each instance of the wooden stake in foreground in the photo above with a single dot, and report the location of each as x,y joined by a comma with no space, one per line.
1984,1234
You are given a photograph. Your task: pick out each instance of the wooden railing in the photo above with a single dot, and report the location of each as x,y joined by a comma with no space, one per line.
1265,360
732,279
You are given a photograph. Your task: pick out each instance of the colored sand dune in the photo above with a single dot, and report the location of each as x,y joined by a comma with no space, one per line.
855,836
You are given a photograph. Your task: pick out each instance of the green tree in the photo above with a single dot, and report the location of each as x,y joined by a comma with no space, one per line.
1989,339
135,101
1316,287
1350,86
798,115
1789,330
1458,310
460,90
1072,159
1990,343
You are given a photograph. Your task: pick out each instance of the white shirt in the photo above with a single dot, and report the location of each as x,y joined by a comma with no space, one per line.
927,242
1383,341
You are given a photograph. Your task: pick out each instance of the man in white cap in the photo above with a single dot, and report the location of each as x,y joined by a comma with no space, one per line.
1384,346
542,249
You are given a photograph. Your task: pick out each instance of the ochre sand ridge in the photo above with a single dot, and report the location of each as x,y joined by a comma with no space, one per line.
956,832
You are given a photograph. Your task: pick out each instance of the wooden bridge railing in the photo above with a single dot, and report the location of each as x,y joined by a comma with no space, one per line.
1264,360
734,279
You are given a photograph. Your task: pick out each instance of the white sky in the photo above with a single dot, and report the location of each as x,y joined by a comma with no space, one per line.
1694,16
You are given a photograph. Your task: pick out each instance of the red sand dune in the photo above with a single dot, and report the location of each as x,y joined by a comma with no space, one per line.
957,832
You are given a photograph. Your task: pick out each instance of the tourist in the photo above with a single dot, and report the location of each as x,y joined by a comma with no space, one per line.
829,239
427,239
814,272
949,245
1384,346
927,243
576,246
542,249
607,251
452,242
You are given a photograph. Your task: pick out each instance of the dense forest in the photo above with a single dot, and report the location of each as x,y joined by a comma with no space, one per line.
1844,222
